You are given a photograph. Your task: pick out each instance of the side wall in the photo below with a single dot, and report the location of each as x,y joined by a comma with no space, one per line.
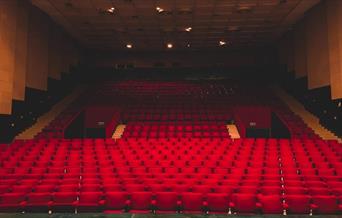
317,46
30,51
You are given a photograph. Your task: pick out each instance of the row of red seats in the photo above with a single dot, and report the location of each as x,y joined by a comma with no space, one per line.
161,202
212,98
210,186
204,185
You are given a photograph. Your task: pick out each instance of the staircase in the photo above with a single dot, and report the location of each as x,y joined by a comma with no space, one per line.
311,120
119,131
46,118
233,131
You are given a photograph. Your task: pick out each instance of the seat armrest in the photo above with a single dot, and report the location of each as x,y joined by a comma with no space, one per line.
153,202
23,203
179,203
231,204
50,203
258,205
313,206
205,204
75,203
102,202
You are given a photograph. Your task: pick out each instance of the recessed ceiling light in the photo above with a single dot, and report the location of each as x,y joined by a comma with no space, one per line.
129,46
111,10
159,9
221,43
188,29
169,45
188,45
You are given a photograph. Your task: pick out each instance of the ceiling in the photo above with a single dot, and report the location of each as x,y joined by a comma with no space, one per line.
239,23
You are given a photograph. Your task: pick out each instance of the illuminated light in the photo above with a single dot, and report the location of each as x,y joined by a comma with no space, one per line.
169,45
129,46
188,29
159,9
221,43
188,45
111,10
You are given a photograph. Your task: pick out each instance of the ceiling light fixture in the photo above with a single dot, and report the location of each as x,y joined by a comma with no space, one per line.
222,43
129,46
188,45
159,9
169,45
111,10
188,29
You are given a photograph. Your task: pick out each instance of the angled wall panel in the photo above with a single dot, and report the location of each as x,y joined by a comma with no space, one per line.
19,79
334,17
7,53
317,47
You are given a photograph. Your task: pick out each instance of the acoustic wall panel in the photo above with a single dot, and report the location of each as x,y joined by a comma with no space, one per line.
317,48
7,53
334,17
19,79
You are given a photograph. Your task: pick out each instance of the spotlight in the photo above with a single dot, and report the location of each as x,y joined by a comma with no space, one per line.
129,46
111,10
188,29
159,9
222,43
169,45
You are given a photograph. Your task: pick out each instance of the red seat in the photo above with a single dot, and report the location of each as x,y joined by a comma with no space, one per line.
4,189
38,202
271,204
90,188
193,202
90,202
21,188
116,201
298,204
166,202
135,188
157,188
180,188
271,190
217,202
325,204
140,202
44,188
68,188
204,189
243,203
12,202
113,188
64,201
